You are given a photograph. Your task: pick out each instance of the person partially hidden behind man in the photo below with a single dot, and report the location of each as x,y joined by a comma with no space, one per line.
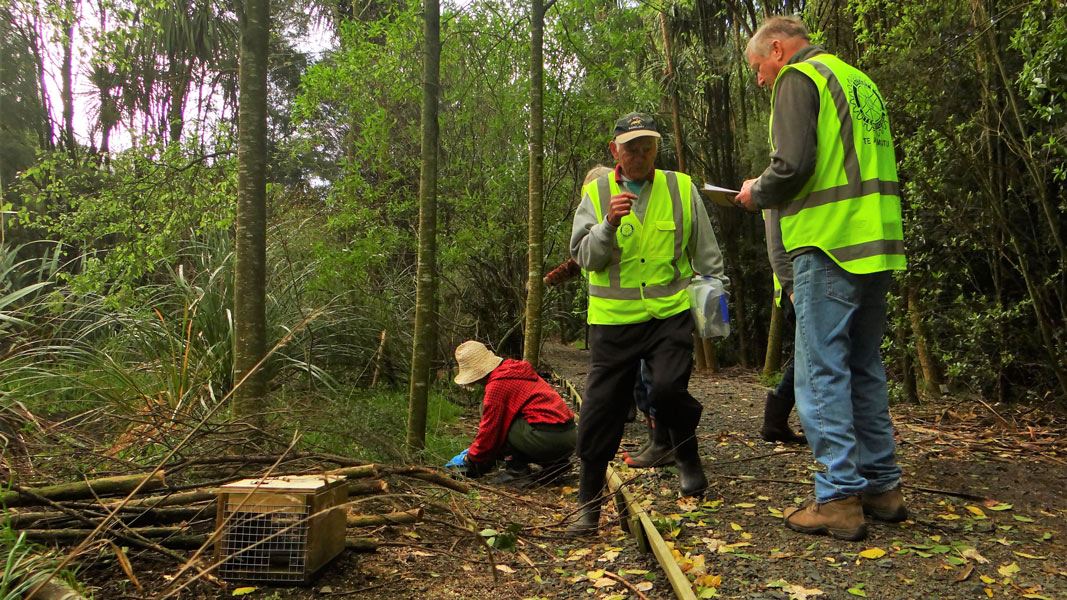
832,182
524,420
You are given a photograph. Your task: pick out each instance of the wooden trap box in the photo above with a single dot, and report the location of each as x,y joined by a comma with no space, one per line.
279,529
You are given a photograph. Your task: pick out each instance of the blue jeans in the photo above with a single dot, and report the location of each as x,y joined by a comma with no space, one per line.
643,391
840,381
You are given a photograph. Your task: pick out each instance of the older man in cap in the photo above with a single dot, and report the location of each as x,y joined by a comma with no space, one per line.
523,418
641,234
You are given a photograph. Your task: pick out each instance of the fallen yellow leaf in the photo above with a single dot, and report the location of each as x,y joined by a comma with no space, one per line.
977,512
604,582
872,553
799,592
1008,570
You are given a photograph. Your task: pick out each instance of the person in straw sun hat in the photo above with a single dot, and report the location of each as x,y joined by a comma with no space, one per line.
523,418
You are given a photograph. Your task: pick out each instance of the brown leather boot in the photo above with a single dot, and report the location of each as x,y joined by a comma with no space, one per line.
887,506
841,518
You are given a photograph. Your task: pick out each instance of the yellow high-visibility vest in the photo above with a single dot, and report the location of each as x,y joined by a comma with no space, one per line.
648,276
850,207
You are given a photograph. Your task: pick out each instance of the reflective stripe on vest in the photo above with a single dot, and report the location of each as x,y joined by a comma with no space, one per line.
650,272
850,207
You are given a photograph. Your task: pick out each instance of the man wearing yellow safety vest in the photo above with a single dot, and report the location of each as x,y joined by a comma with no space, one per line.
833,184
641,234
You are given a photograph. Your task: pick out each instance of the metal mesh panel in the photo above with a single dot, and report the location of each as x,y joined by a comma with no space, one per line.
266,542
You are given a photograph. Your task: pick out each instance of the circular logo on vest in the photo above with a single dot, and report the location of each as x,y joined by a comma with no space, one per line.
626,230
867,104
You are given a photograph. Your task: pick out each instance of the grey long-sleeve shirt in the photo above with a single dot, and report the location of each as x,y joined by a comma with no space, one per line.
795,135
593,243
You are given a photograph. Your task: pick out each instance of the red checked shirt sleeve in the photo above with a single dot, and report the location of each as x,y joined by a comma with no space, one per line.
493,428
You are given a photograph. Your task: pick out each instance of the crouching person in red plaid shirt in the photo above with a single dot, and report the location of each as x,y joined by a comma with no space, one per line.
523,420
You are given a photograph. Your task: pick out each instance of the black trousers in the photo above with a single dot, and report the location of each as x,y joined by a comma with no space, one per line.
616,351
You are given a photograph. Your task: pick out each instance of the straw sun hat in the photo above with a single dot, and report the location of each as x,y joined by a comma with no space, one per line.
475,361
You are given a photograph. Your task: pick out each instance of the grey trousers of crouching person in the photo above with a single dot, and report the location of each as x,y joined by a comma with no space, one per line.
541,443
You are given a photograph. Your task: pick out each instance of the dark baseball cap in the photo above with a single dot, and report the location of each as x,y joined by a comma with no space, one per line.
634,125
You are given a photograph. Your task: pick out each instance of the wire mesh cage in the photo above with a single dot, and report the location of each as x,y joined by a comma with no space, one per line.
280,529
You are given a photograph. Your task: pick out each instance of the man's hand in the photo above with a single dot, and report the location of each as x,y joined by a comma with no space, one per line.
620,207
744,198
458,461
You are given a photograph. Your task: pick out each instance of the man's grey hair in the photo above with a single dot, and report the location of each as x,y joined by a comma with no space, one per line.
775,28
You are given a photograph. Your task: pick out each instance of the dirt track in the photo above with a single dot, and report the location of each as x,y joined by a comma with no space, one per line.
986,494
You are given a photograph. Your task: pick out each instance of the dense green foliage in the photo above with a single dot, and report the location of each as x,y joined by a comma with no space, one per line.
131,296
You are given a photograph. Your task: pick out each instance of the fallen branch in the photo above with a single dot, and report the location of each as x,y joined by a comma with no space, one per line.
176,499
265,459
92,488
370,470
25,520
964,495
362,544
364,488
719,463
431,476
628,585
396,518
76,535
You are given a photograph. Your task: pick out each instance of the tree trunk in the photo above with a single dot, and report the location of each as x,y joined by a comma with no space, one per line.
927,361
535,287
180,74
709,355
907,370
740,323
426,288
699,357
250,268
66,22
46,131
668,55
772,362
379,356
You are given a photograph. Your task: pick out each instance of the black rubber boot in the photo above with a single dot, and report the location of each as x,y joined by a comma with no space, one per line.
691,478
776,420
657,453
590,498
